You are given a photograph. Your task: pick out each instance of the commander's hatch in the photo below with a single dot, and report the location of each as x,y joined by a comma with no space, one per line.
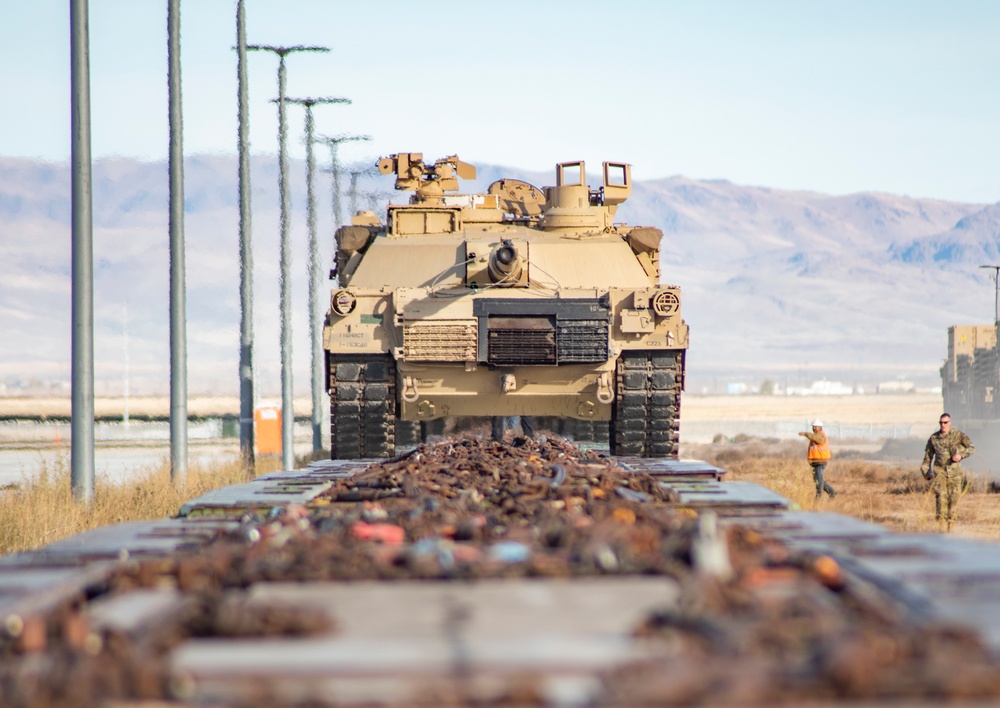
617,183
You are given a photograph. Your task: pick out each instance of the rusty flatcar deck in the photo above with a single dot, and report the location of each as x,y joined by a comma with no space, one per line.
550,640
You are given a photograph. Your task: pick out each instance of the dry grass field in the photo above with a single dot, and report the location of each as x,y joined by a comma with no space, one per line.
893,494
42,510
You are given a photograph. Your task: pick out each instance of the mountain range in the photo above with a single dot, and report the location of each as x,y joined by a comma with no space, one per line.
791,286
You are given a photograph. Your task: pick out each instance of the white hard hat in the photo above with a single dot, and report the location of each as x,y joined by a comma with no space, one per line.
817,423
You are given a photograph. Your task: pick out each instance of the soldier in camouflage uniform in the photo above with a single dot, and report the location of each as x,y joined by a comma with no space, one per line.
945,449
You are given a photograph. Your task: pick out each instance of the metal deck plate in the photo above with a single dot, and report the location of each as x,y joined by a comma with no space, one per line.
277,488
33,589
727,496
141,538
339,465
15,586
935,576
395,637
798,528
334,469
958,578
261,493
135,611
694,469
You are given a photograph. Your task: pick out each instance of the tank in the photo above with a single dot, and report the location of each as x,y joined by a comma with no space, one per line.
517,301
969,377
970,388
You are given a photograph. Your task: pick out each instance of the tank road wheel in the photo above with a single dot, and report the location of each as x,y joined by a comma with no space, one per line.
362,405
646,410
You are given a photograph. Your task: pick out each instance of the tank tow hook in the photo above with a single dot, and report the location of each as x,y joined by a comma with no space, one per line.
604,393
410,393
507,383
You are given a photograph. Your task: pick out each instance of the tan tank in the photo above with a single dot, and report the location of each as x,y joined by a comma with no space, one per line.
969,378
519,301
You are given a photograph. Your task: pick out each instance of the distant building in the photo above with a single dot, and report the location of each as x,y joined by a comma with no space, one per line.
821,388
896,387
736,388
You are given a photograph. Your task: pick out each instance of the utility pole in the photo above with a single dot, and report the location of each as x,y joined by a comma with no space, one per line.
82,424
315,333
353,192
334,143
125,418
246,248
996,297
287,406
178,298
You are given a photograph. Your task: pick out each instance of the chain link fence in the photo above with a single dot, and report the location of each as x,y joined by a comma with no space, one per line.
705,431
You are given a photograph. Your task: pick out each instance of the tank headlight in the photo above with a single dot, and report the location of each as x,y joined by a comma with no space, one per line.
666,303
343,302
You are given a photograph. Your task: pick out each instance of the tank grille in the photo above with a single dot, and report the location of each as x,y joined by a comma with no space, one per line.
582,341
439,341
522,340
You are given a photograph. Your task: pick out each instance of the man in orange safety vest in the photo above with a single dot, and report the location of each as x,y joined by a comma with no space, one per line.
818,456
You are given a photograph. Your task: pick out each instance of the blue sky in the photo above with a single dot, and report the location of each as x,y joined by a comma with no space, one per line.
838,97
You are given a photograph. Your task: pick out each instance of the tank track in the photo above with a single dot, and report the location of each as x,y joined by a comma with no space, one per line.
646,411
362,405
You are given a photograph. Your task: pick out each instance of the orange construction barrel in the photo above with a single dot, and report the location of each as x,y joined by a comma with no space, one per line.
267,427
